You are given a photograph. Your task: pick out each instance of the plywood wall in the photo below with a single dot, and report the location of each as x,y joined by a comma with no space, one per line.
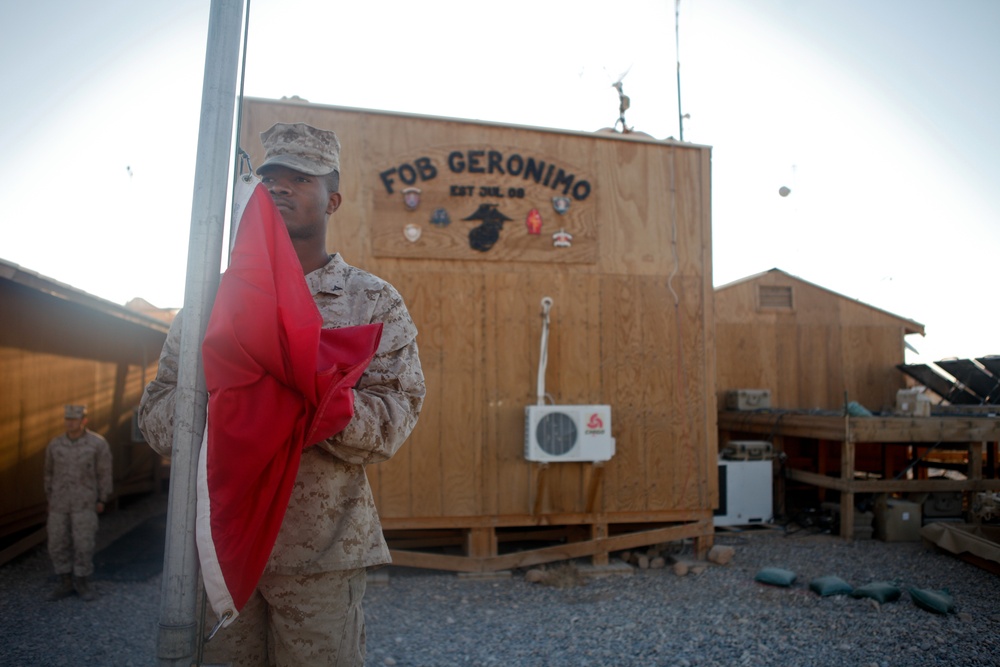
631,321
34,390
812,353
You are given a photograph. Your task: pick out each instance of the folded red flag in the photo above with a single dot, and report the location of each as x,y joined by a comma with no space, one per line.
277,383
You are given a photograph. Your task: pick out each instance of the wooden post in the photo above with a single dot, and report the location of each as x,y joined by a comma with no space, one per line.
599,531
594,487
541,489
822,458
780,484
847,476
975,472
481,542
703,544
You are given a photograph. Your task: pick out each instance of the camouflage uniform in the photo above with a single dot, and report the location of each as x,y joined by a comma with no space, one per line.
309,598
77,477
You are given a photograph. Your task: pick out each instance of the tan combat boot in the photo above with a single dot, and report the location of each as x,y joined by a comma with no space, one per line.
83,589
63,589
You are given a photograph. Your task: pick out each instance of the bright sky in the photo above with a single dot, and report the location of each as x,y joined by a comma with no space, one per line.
880,115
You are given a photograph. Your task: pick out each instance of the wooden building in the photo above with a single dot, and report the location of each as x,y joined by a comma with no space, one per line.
475,224
816,350
59,345
809,346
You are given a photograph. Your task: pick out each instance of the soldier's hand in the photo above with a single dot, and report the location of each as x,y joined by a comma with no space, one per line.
100,507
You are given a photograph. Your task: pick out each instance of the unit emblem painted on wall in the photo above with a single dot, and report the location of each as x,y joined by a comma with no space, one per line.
440,217
562,239
411,198
443,185
412,232
483,237
534,221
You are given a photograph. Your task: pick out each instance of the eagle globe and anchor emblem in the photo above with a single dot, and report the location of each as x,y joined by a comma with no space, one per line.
483,237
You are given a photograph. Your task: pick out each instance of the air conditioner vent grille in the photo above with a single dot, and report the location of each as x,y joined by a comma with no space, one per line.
556,433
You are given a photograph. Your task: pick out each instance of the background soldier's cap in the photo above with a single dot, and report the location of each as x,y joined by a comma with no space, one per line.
76,411
301,147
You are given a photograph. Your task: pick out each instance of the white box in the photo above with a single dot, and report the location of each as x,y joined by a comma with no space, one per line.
744,493
748,399
913,403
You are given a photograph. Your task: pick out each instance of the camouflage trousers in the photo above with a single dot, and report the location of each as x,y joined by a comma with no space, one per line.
307,620
72,539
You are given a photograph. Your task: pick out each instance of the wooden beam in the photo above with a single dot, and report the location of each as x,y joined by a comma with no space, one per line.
864,429
786,424
435,561
925,429
591,547
892,485
550,519
22,545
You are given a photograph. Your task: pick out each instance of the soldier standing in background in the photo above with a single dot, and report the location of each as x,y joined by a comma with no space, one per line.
77,484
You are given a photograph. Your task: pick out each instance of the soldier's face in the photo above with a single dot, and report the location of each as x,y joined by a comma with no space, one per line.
304,201
74,427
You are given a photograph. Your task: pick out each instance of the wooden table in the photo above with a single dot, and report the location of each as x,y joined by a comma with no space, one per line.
977,433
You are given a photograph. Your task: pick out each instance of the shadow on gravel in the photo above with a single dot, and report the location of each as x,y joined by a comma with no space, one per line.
135,556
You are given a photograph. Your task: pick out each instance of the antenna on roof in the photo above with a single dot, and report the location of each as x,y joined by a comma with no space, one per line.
677,43
623,103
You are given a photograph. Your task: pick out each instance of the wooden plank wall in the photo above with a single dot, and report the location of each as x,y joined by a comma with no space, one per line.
811,354
34,390
617,334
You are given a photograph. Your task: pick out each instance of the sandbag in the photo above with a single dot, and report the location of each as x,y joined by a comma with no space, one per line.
775,576
830,585
880,591
939,602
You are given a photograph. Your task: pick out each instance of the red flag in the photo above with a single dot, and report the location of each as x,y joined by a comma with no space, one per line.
277,383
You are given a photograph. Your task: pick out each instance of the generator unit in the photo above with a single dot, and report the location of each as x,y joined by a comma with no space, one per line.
744,493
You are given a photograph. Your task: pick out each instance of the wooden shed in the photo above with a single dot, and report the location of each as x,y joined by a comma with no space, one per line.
808,345
60,345
475,224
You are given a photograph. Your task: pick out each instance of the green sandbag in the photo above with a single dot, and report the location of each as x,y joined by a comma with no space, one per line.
830,585
940,602
880,591
775,576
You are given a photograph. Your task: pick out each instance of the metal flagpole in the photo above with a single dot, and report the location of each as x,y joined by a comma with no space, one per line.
178,627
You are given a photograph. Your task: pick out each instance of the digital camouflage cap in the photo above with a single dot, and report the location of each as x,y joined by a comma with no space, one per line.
301,147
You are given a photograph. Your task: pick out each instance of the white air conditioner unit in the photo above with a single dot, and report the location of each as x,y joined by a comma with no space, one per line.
568,433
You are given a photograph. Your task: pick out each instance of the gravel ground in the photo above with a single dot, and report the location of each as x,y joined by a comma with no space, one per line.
650,617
